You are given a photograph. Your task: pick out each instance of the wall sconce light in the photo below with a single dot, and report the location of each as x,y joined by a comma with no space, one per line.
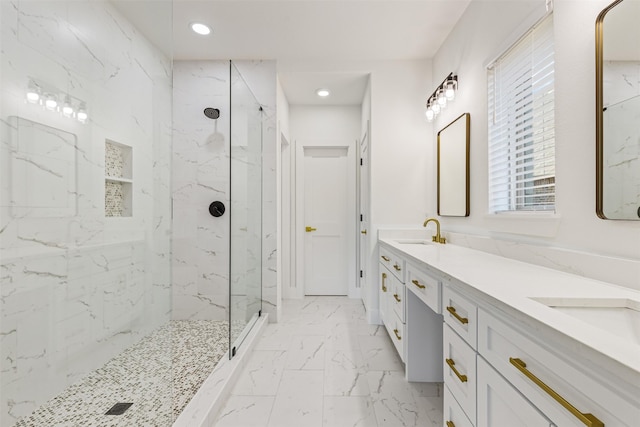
53,99
444,93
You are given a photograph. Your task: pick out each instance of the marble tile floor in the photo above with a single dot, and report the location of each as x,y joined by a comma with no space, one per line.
159,375
323,365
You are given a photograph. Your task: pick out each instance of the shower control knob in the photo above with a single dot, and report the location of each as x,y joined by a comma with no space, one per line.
216,209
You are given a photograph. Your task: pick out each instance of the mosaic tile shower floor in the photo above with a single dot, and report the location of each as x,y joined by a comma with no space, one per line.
157,381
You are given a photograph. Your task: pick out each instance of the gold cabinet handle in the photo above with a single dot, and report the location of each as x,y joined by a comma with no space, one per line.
310,229
450,424
363,232
587,419
384,277
395,331
461,319
415,282
452,365
397,267
385,258
397,297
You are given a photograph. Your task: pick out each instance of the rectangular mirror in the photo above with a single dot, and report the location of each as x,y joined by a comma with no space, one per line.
453,168
618,111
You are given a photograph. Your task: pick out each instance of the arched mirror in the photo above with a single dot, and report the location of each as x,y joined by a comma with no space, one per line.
618,111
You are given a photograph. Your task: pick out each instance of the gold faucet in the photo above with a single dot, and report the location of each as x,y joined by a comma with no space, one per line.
437,238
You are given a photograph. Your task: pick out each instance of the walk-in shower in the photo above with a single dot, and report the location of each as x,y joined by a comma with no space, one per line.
120,291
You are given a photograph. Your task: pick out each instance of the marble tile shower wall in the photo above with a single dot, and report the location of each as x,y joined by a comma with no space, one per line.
200,165
77,288
261,75
200,175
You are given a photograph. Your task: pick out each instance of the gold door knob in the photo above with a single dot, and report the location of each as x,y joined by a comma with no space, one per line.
310,229
363,232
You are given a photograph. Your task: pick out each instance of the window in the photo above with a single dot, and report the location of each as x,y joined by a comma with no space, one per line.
521,124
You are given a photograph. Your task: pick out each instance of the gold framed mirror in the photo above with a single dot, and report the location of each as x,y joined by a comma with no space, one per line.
618,111
453,167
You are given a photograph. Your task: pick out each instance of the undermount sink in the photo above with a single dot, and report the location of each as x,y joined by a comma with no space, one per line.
413,242
618,316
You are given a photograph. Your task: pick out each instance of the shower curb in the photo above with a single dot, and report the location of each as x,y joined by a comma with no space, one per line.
203,409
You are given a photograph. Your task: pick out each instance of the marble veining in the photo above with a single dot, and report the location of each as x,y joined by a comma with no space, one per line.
77,288
358,380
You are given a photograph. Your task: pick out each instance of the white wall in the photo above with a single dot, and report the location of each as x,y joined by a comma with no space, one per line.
283,199
333,122
607,250
401,163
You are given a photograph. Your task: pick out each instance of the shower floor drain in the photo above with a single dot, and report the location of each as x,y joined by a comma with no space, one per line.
119,408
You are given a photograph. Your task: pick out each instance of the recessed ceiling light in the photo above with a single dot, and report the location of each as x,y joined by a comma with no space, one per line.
201,29
322,92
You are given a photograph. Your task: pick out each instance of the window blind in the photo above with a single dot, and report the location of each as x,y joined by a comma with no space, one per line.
521,124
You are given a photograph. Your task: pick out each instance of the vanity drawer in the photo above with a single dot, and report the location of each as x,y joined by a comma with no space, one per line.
425,286
398,302
461,314
531,367
397,331
499,404
393,262
460,371
454,416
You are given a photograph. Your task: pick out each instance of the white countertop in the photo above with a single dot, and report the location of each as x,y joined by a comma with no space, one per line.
513,283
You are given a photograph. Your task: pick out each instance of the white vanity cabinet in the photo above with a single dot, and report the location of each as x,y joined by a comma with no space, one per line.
419,345
392,298
560,385
505,360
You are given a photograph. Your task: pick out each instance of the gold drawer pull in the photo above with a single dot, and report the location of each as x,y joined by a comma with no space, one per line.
450,424
385,258
397,297
395,331
587,419
397,267
415,282
461,319
452,365
384,277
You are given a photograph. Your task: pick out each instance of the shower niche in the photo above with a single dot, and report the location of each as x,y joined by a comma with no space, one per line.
118,180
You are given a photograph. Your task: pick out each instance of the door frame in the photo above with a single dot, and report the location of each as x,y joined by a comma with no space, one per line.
363,215
352,290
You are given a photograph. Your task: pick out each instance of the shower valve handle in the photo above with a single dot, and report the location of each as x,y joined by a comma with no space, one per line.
216,209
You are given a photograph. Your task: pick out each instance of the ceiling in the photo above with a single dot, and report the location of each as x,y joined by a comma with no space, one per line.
295,31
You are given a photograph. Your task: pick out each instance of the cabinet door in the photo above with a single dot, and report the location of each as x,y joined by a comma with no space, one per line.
501,405
454,416
384,288
460,371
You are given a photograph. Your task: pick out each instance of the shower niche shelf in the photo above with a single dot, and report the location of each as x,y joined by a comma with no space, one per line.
118,180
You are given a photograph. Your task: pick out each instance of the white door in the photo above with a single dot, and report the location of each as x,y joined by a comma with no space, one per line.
325,220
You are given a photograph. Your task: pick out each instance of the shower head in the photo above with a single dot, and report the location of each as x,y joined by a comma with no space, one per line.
212,113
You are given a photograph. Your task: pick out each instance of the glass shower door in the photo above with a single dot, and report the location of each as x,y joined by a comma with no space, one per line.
245,293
